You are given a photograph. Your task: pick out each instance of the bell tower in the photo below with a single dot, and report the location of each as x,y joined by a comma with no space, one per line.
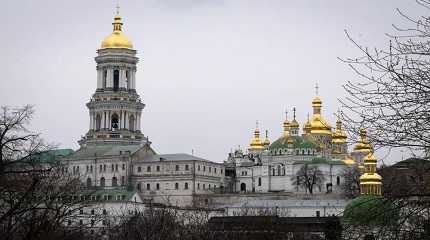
115,109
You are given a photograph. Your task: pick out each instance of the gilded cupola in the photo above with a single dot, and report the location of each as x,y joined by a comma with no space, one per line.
294,125
256,143
307,127
117,39
319,126
363,145
370,181
339,136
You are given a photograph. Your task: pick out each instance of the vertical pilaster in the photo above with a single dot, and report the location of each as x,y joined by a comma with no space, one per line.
99,78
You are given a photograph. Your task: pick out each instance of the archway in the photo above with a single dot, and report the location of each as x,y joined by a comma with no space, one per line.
102,182
114,182
243,187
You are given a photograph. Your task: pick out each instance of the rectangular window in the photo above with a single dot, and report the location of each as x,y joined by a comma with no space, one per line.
221,171
214,170
210,169
139,169
259,181
148,169
177,167
158,168
204,186
186,167
198,168
198,185
148,186
204,168
158,186
176,186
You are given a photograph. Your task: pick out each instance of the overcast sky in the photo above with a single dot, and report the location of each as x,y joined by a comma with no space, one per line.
208,68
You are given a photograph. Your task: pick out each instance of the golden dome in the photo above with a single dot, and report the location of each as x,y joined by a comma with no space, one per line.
370,181
256,143
319,125
370,178
294,123
349,161
307,127
117,39
339,136
363,145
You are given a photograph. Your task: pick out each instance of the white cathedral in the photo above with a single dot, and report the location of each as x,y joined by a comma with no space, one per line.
116,162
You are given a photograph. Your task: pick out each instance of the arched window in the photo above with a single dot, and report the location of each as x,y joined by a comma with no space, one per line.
102,181
176,185
337,180
89,182
186,186
259,181
131,123
114,182
122,180
115,80
115,122
98,121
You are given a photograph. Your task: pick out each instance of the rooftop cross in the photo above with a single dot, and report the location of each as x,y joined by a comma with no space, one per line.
117,7
316,88
294,113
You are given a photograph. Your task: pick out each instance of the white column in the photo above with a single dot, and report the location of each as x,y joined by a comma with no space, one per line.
99,78
138,122
91,121
122,78
127,121
109,120
109,80
102,124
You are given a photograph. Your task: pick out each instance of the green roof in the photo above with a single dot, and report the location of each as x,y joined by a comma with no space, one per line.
104,150
108,195
51,155
320,160
370,210
299,143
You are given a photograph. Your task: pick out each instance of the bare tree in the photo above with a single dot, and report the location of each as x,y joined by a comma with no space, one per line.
392,98
307,177
36,196
351,184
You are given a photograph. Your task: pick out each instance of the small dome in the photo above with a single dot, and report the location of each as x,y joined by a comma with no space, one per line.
117,39
349,161
294,124
363,145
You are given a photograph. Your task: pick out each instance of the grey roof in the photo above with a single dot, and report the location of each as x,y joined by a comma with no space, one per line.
104,150
172,157
267,203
